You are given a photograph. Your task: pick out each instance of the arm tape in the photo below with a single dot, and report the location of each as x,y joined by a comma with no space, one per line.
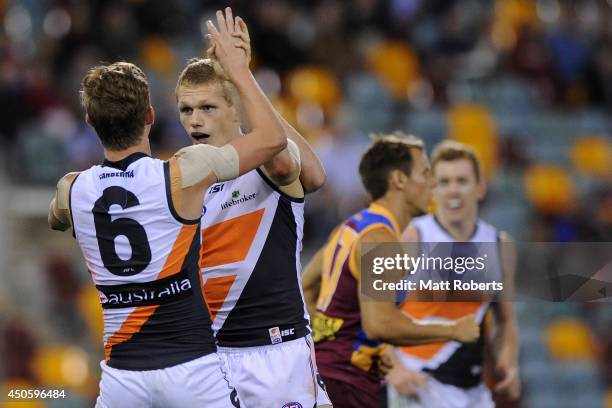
198,161
63,190
294,151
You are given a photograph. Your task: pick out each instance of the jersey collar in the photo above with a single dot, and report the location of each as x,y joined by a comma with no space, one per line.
379,209
124,163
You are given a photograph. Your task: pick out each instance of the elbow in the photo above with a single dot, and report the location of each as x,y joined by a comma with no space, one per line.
282,171
279,141
314,181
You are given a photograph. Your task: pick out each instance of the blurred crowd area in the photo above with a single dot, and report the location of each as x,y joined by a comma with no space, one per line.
527,83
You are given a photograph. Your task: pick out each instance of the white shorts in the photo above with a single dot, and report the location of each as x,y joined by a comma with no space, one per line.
201,382
435,394
276,376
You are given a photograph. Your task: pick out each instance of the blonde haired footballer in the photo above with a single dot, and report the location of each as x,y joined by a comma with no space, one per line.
450,374
137,222
251,242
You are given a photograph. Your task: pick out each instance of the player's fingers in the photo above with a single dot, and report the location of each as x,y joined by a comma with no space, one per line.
210,51
242,44
406,389
243,27
420,379
241,35
504,384
221,22
212,30
229,20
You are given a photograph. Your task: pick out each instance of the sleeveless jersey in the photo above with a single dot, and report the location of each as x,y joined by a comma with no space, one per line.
250,262
143,259
343,350
451,362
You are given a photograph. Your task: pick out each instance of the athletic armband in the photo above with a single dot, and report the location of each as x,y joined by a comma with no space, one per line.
197,162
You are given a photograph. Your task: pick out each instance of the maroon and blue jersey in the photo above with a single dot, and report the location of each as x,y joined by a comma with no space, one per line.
343,350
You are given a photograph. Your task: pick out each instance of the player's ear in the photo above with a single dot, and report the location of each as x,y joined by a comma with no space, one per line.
150,116
88,120
482,188
397,179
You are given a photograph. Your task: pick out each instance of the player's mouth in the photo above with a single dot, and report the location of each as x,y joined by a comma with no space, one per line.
200,137
454,203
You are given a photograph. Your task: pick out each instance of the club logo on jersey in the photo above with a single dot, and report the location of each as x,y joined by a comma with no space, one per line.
275,335
215,188
236,199
292,405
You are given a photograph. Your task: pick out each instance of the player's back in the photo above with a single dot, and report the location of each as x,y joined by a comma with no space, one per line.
143,259
344,352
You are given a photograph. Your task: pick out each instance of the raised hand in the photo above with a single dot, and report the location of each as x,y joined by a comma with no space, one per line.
241,33
232,58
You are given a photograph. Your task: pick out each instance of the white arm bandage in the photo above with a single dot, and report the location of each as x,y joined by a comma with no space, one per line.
294,151
63,190
197,162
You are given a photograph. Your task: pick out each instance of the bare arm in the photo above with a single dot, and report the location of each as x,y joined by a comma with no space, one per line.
505,341
282,169
267,137
312,173
311,281
384,321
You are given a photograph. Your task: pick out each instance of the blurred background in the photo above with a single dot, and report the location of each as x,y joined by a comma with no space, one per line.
528,83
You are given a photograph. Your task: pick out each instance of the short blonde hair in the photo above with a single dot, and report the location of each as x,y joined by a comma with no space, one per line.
116,99
201,71
450,150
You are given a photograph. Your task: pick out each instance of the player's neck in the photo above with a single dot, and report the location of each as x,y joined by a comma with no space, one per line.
396,208
117,155
462,230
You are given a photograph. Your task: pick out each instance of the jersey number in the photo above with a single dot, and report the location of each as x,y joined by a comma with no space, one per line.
332,267
107,230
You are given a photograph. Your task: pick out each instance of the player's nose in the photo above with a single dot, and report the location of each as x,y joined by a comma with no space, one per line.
197,121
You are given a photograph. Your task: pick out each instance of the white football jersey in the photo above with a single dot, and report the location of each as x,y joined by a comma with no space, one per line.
250,261
143,259
452,362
